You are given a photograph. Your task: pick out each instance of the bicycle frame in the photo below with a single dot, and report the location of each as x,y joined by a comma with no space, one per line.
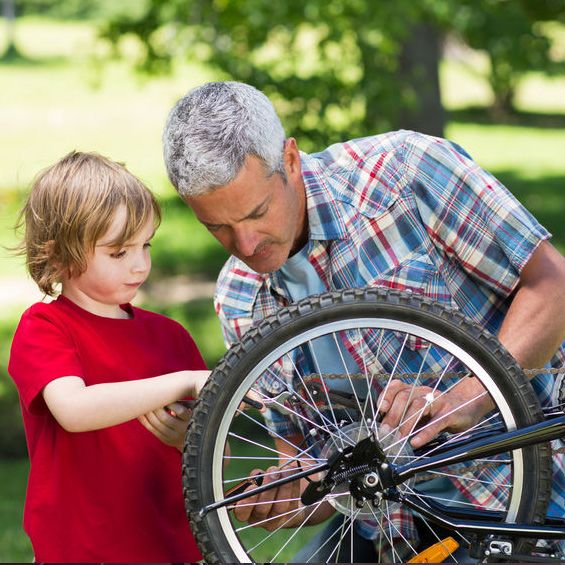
552,428
484,521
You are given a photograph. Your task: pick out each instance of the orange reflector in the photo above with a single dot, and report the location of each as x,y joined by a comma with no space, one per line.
437,552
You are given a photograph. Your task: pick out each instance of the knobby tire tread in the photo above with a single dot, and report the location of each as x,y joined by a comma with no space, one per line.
418,309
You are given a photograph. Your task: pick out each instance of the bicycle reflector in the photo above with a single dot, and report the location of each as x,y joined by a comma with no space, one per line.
436,553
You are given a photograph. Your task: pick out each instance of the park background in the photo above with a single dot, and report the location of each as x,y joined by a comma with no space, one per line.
98,75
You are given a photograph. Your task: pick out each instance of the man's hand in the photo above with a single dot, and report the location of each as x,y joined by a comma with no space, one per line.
420,408
270,509
169,424
281,506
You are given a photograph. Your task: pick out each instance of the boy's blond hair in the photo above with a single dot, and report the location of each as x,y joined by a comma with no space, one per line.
71,206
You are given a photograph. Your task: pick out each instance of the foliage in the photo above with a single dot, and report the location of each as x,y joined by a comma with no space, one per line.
510,34
334,69
331,68
75,9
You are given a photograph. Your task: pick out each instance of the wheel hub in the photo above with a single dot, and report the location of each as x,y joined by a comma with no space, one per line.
357,486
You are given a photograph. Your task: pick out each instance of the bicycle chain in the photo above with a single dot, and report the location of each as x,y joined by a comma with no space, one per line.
358,376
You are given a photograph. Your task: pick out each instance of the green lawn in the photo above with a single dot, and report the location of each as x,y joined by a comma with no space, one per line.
14,544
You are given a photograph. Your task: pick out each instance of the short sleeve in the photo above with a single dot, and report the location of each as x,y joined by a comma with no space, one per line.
469,215
41,352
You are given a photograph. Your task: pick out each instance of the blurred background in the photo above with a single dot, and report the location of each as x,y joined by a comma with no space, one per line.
102,75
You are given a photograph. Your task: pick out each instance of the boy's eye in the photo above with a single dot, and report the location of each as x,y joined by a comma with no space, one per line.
148,244
118,254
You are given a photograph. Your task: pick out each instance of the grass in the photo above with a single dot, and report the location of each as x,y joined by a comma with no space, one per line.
60,96
14,544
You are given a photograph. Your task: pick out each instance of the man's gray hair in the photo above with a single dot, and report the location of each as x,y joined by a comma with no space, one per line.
211,131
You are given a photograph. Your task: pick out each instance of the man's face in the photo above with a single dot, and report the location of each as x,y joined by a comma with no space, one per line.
258,218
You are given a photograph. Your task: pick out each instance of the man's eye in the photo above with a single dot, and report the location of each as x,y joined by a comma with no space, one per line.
118,254
258,215
213,227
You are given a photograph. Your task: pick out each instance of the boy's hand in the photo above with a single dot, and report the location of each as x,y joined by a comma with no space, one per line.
169,424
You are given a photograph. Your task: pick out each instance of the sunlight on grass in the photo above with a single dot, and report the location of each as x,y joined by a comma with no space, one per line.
533,152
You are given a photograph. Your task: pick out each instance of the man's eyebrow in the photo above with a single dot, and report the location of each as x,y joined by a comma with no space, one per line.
251,214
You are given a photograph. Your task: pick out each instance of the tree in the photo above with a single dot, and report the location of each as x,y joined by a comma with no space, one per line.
508,31
333,69
338,69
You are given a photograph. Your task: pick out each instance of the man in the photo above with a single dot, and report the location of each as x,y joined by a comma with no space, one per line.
403,210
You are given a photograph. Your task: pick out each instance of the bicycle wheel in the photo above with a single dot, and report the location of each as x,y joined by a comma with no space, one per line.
370,339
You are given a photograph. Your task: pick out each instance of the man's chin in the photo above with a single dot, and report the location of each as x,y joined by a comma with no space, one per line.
264,265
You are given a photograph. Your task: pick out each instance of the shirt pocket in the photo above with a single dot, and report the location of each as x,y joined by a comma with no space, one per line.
416,274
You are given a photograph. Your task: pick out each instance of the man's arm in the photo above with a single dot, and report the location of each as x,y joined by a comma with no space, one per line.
533,329
534,326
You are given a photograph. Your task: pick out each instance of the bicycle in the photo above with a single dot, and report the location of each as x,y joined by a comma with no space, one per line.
498,471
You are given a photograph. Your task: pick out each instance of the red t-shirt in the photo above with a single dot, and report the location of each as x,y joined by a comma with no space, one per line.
113,494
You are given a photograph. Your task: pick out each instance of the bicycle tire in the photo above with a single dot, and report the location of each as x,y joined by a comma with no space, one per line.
518,405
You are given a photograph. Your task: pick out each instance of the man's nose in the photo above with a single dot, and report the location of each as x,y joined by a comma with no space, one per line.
245,240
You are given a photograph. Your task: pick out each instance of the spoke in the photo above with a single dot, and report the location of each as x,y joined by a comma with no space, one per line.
456,437
440,541
323,417
351,385
417,494
274,434
255,524
263,502
412,390
342,536
265,447
326,542
416,417
436,420
325,388
453,502
253,457
279,469
370,387
302,417
296,531
399,533
470,479
383,532
278,528
368,399
390,378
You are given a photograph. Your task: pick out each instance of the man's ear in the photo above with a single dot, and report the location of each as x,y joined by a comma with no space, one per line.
292,162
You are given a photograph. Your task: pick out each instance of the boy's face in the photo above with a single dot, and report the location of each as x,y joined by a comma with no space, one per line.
112,276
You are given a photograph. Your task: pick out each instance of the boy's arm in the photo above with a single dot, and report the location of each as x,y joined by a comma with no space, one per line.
81,408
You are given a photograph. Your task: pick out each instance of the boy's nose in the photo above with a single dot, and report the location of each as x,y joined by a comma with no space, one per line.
141,263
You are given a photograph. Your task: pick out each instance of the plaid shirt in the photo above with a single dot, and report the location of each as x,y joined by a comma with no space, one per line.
406,211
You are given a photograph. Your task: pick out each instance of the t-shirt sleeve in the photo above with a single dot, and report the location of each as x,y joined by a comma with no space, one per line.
196,360
41,352
469,215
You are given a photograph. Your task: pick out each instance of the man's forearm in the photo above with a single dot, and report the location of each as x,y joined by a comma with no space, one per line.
534,326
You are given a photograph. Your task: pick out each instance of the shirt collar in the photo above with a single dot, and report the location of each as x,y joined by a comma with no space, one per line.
327,213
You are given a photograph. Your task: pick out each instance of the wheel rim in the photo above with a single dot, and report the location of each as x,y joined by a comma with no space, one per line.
333,328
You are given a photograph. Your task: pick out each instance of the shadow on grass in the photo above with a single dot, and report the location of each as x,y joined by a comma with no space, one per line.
13,57
482,115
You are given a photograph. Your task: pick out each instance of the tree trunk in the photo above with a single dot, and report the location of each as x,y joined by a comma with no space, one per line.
9,13
419,75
